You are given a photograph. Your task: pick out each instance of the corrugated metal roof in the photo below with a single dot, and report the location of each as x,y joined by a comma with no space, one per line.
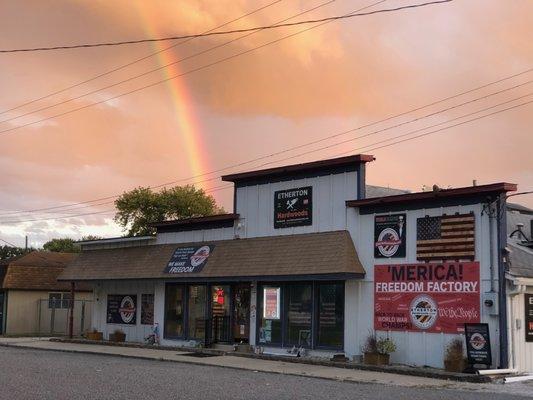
311,254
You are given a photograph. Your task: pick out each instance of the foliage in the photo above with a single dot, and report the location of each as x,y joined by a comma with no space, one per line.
454,350
65,245
88,238
10,251
139,208
376,345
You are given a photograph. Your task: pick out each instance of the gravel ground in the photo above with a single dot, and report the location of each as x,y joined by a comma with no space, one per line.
36,374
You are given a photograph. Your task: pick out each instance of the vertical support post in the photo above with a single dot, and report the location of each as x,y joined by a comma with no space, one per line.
71,316
502,295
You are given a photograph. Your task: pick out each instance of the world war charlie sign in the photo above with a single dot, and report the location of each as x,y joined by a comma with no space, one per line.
121,309
389,236
293,207
428,297
188,259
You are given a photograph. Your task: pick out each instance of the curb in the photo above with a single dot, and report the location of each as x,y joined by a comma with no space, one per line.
409,371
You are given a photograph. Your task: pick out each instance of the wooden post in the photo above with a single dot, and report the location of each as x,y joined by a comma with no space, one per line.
71,316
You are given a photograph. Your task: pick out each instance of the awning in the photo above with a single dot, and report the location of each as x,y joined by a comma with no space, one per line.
327,255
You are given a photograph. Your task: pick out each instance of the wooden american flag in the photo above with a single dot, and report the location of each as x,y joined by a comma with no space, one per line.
448,237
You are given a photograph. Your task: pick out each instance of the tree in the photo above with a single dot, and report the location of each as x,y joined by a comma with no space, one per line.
141,207
10,251
65,245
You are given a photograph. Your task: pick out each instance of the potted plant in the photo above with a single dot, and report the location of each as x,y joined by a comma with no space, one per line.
454,359
117,336
94,335
376,351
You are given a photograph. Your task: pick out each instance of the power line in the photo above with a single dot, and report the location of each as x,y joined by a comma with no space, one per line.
155,69
264,27
87,203
356,149
179,75
135,61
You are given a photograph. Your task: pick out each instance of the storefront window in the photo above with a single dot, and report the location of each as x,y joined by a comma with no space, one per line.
220,309
270,315
174,309
147,309
197,301
331,315
299,302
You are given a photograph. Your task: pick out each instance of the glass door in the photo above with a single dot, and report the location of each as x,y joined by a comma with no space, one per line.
241,313
220,313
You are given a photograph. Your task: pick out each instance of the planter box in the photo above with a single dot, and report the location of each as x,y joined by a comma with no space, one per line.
376,359
117,337
458,365
95,336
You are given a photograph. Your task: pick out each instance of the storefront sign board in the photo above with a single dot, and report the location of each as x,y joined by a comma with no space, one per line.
478,344
293,207
426,297
271,303
122,309
189,259
389,236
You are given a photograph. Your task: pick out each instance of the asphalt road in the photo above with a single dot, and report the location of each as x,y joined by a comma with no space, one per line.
36,374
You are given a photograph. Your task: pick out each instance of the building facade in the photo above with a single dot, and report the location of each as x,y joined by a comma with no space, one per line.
309,260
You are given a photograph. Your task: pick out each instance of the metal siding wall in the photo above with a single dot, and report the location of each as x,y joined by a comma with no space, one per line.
134,333
255,204
522,351
409,344
201,235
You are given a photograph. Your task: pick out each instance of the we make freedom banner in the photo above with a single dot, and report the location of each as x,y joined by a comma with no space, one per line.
427,297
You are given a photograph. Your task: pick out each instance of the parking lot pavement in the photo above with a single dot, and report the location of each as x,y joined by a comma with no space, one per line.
36,374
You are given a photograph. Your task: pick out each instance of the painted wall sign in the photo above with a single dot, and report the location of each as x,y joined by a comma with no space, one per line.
271,303
529,317
122,309
478,344
446,237
389,236
293,207
189,259
438,297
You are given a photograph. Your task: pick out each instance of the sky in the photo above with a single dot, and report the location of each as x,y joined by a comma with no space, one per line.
217,108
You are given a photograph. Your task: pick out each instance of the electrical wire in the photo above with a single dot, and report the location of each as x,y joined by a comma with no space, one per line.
155,69
120,67
368,147
88,202
264,27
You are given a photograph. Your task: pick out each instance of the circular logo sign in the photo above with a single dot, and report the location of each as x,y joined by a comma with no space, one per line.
477,341
423,312
388,242
200,256
127,309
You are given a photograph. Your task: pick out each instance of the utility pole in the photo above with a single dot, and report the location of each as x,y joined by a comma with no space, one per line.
71,316
26,245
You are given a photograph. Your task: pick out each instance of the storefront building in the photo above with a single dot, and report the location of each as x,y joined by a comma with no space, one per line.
308,260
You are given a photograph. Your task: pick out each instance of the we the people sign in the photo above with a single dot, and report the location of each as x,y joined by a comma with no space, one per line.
429,297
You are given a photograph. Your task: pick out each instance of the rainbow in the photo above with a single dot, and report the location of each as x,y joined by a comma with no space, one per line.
186,120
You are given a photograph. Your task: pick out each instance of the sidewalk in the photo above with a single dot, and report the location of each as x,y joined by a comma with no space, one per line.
254,364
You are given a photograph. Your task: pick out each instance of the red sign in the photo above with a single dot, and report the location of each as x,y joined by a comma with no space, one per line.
429,297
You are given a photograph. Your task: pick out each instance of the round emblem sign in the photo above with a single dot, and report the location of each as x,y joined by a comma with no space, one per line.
200,256
477,341
388,242
423,312
127,309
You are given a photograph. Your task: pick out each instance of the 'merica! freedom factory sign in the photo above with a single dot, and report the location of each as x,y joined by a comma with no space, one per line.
427,297
293,207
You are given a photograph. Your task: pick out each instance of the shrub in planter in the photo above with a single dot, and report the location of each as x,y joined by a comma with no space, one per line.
376,351
94,335
454,359
117,336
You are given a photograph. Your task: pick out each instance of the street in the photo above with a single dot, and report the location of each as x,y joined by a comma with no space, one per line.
37,374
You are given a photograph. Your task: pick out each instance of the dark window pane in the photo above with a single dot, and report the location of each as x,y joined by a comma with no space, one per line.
300,306
66,300
220,308
54,300
331,315
269,315
174,308
147,309
197,300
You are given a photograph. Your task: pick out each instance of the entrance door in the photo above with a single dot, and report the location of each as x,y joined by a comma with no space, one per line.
241,313
220,312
